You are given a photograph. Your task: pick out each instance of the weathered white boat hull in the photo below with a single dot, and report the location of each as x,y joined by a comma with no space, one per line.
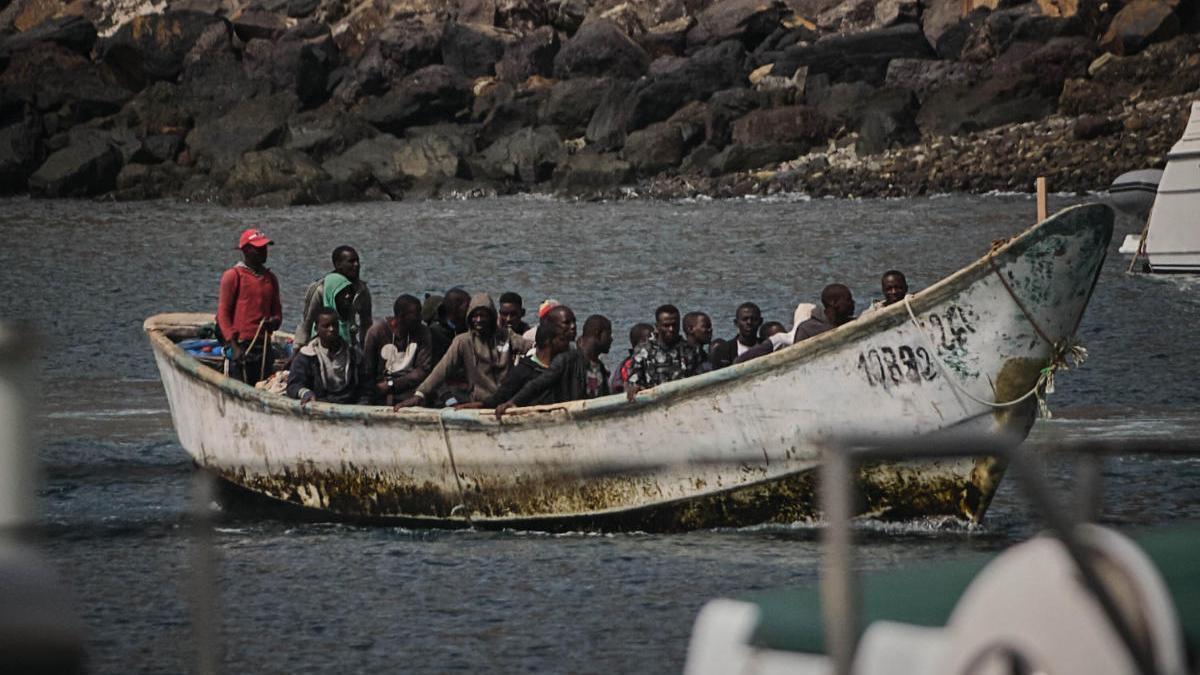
1173,233
732,447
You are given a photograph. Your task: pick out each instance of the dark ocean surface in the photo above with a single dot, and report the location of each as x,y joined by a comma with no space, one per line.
296,597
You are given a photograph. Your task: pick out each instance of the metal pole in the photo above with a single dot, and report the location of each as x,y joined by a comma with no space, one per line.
839,601
1089,488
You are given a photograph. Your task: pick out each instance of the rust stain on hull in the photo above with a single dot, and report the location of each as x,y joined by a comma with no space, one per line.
892,491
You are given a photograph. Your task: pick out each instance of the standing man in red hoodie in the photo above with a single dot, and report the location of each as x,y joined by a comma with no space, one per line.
248,310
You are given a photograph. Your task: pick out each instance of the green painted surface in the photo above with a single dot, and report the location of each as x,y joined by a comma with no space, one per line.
791,618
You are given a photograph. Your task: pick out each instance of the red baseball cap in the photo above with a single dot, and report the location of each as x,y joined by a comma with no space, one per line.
253,237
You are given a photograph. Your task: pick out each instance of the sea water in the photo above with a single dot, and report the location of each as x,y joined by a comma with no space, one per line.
295,597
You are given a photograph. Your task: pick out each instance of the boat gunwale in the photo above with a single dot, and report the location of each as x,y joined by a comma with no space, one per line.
616,404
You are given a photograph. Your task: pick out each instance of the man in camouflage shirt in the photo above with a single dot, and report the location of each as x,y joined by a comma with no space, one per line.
664,357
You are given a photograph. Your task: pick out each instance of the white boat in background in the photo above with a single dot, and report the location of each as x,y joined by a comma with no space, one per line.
1171,241
733,447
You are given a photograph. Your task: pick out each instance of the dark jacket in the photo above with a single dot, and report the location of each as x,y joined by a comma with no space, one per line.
815,325
305,374
565,380
724,354
406,381
519,377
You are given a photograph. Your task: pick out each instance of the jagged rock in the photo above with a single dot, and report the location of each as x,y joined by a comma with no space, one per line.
1000,30
659,146
21,151
795,126
1090,127
62,84
999,100
938,17
298,9
738,157
480,12
922,76
706,72
889,119
623,16
489,95
589,174
259,25
1165,69
666,39
528,156
72,32
1138,24
325,132
160,148
430,95
569,15
22,15
368,164
610,122
431,155
505,118
861,56
723,108
87,166
252,125
148,181
600,49
748,21
571,103
300,62
399,49
214,78
525,15
474,49
290,176
531,55
152,47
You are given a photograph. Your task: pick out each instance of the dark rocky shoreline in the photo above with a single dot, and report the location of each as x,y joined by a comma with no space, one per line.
278,102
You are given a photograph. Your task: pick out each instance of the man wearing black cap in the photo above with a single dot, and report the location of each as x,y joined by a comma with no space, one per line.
248,310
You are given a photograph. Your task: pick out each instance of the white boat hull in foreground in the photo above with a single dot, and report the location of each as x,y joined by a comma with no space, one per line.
729,448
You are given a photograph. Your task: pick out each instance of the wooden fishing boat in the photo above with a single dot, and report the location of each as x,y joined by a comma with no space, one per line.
738,446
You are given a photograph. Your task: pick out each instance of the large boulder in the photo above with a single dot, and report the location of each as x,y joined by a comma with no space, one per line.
517,112
747,21
87,166
325,132
396,51
152,47
430,95
600,49
300,62
149,181
922,76
214,77
999,31
369,164
739,157
1138,24
999,100
720,112
660,146
434,154
256,124
474,49
888,120
254,24
278,176
528,156
588,174
693,79
531,55
75,33
860,56
796,126
571,104
63,85
21,151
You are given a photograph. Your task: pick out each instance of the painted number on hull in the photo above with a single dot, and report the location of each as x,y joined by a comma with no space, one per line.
886,365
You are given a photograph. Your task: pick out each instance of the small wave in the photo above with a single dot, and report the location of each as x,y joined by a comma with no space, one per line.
104,414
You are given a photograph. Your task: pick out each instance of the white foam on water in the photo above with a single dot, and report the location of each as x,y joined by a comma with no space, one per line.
106,414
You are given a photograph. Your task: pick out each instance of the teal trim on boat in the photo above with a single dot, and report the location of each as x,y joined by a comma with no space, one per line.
790,619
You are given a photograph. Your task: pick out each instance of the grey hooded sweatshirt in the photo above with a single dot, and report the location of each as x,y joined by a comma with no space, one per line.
485,362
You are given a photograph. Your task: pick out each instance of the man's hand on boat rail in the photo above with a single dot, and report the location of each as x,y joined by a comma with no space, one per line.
408,403
307,397
503,408
631,391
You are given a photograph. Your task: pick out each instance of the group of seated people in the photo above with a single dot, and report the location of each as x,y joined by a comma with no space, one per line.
467,351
